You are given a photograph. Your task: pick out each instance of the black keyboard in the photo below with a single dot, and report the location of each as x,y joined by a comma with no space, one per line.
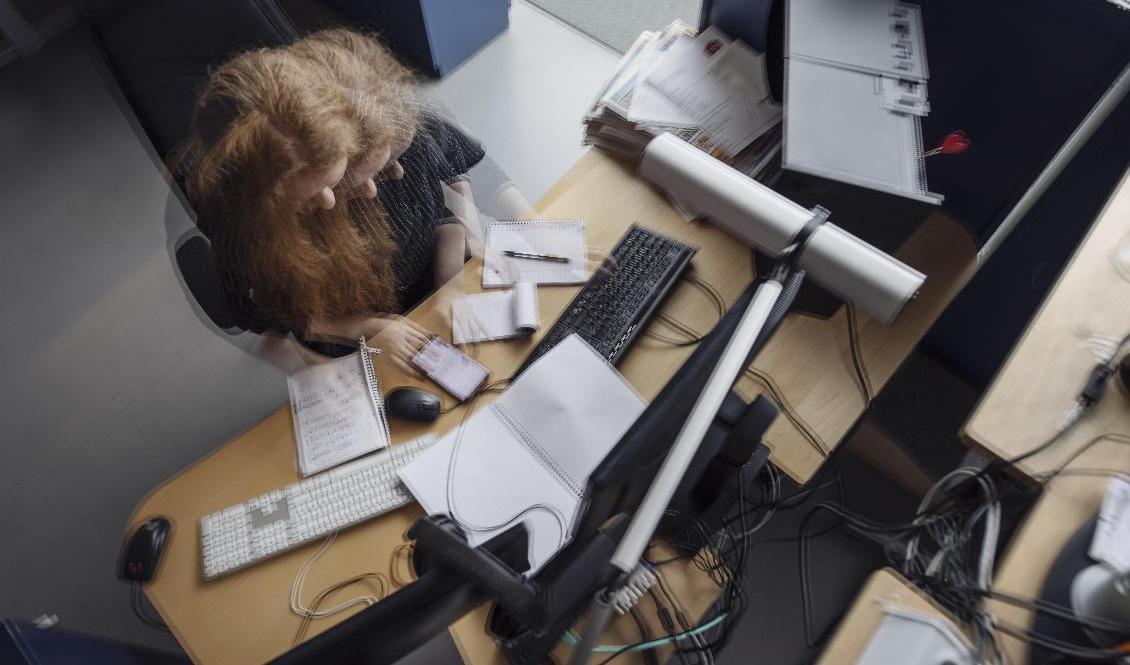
615,304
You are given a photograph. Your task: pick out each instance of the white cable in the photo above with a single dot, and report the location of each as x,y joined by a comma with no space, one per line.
992,524
641,579
774,498
296,588
451,511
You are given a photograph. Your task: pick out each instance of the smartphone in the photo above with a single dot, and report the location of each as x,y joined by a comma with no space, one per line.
450,369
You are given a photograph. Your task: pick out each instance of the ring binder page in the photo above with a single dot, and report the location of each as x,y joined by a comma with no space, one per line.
528,456
855,92
874,36
881,149
338,412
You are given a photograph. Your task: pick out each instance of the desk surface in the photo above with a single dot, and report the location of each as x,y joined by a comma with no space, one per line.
1088,307
1043,375
1022,406
245,617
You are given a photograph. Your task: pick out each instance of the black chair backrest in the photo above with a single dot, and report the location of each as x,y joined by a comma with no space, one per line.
160,52
198,270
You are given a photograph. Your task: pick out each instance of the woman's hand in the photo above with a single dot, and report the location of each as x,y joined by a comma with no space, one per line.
399,340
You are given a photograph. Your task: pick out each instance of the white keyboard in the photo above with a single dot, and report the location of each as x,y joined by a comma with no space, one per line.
296,514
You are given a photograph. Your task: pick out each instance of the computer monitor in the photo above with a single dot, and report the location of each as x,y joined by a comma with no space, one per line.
620,481
617,486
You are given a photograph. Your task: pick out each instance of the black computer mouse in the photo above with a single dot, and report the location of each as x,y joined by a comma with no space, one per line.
142,552
413,404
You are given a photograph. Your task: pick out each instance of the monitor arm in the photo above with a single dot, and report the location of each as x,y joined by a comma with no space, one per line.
758,320
400,623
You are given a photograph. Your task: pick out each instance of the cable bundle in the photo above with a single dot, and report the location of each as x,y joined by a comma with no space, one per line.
948,549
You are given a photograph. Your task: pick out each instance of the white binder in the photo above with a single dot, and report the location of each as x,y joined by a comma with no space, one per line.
842,57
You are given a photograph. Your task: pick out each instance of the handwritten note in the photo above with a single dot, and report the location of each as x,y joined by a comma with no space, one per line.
335,418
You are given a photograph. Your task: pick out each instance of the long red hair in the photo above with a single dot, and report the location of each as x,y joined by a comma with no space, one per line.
268,115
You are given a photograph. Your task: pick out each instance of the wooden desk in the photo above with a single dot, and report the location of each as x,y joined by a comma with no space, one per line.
245,617
886,588
1089,306
1042,377
1068,501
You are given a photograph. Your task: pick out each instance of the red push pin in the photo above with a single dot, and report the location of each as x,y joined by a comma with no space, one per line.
954,143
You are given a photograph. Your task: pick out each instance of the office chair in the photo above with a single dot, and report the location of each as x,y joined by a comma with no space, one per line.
160,52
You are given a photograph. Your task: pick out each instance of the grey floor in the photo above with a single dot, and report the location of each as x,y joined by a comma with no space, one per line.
111,384
619,22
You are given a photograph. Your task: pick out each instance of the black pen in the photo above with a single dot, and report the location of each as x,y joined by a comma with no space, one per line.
536,257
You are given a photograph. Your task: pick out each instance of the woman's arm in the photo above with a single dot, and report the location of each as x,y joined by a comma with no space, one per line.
395,335
461,202
286,353
451,244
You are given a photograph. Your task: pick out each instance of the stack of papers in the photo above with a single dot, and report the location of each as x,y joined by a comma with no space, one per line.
707,89
527,457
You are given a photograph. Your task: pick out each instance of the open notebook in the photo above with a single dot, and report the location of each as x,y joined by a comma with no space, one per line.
560,237
483,317
529,454
338,412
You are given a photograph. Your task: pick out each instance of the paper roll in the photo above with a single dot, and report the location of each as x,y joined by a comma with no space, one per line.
525,303
840,262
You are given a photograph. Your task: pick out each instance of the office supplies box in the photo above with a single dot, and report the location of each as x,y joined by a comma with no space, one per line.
338,412
556,237
484,317
528,455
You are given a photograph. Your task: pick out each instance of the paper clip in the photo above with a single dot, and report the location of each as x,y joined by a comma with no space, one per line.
954,143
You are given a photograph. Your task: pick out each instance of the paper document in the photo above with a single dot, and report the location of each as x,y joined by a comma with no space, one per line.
528,456
497,315
903,95
725,91
336,415
563,237
679,53
1111,542
742,68
876,149
872,36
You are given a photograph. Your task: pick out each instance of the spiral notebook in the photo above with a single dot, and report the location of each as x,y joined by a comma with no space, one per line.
338,411
484,317
558,237
527,457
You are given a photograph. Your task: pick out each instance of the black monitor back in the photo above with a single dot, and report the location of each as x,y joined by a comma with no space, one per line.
620,482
